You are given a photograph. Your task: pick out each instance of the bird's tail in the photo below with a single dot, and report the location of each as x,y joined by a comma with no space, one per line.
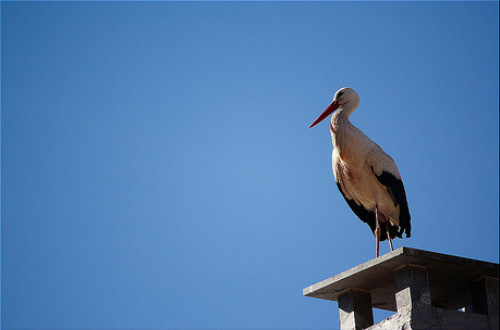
394,231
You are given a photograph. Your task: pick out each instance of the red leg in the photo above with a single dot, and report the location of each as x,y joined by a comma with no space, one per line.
388,233
377,229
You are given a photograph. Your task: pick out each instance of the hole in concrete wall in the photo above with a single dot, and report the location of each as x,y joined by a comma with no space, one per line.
381,314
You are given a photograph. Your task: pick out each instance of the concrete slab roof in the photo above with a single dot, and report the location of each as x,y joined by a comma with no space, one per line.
450,278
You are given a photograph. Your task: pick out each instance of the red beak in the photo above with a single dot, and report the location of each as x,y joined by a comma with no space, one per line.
328,111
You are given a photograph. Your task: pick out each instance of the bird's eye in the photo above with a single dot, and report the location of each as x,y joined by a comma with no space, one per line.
339,95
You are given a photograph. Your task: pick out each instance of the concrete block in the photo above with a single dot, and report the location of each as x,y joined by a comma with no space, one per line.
425,289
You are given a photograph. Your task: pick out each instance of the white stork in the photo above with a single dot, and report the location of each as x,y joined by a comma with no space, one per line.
366,176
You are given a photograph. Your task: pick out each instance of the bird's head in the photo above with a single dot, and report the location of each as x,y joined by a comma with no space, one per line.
343,97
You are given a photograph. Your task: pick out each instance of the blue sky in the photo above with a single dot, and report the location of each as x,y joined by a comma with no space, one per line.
158,172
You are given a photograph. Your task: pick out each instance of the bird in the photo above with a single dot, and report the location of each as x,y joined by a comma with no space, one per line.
365,175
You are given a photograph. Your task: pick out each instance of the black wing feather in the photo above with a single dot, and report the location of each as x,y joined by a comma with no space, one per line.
397,191
368,217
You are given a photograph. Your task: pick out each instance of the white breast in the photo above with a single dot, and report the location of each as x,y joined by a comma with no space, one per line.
355,160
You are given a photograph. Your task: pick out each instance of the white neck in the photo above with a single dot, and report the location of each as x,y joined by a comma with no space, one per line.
340,123
348,108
